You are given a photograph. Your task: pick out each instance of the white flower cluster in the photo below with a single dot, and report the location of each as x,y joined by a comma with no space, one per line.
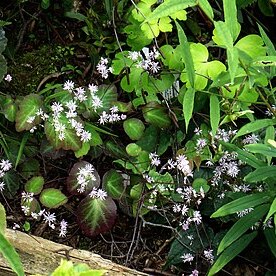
148,63
103,69
208,254
228,165
84,175
187,257
251,139
98,193
111,117
182,164
224,135
5,166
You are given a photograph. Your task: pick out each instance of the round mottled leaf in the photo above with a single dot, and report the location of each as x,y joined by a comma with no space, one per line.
134,128
156,115
72,179
133,149
199,183
52,198
96,216
35,185
113,184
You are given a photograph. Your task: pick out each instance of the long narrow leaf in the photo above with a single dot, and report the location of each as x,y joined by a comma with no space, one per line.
241,226
231,252
272,210
231,18
271,239
245,202
266,150
254,126
11,255
214,113
270,48
169,7
206,8
261,174
188,105
186,54
244,156
21,148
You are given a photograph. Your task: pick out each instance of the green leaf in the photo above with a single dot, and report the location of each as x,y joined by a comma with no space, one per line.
271,211
231,252
113,184
28,108
83,150
201,183
254,126
266,150
186,54
244,156
96,216
169,7
231,18
271,239
52,198
188,105
11,255
21,148
214,113
269,48
134,128
222,35
206,8
3,221
133,149
241,226
35,185
156,115
261,174
245,202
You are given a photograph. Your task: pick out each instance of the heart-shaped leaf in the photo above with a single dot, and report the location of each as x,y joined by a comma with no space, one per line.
52,198
35,185
96,216
82,173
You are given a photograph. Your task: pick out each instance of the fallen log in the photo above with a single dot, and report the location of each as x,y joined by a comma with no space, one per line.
41,256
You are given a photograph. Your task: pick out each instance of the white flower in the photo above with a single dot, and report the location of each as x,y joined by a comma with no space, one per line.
27,197
49,218
208,254
197,218
154,158
195,272
8,78
25,209
69,85
85,136
30,119
2,186
56,108
63,228
93,88
101,194
251,139
187,257
5,165
15,226
133,55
